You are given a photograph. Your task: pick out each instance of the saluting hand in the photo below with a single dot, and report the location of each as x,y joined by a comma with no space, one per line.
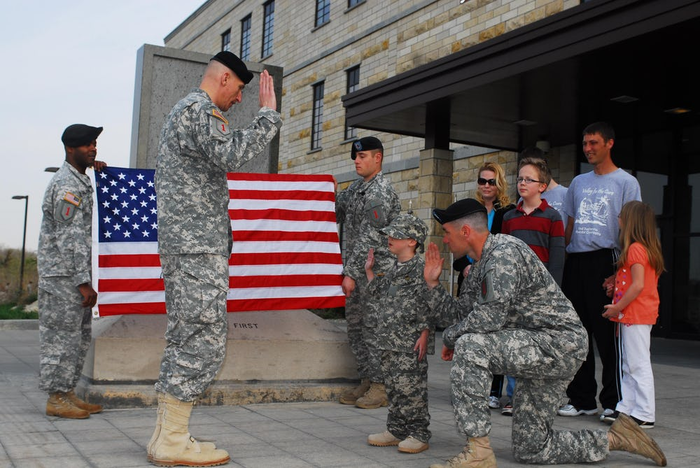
267,91
433,265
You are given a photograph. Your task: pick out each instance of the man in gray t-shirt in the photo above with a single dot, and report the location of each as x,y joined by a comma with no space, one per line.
592,203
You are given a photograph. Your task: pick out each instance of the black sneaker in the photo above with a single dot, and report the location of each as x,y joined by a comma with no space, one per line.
643,424
609,416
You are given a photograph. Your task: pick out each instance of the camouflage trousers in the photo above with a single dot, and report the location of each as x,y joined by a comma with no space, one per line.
65,331
541,380
406,381
357,314
195,299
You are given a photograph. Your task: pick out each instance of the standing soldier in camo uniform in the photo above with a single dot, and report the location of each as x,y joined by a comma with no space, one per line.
66,295
404,335
197,148
367,206
514,320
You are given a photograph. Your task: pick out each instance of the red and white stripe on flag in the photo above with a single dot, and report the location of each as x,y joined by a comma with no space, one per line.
286,253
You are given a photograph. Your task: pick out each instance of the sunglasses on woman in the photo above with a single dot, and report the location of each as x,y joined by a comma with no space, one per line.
482,181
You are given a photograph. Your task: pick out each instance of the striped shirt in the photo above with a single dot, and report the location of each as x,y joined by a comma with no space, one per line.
543,231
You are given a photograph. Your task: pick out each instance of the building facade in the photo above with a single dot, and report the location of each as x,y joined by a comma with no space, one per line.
332,49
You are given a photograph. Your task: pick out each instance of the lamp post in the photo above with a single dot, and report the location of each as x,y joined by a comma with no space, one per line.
24,237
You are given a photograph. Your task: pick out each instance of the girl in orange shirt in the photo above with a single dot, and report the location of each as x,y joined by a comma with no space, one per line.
636,307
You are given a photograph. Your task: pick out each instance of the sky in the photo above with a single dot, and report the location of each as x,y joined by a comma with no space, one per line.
66,62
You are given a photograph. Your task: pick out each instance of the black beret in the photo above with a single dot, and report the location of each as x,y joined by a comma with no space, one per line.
366,144
458,210
235,64
79,135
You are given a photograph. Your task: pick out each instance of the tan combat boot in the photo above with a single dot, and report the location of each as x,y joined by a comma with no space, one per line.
383,439
84,405
476,454
351,396
174,446
412,445
626,435
59,405
374,398
205,446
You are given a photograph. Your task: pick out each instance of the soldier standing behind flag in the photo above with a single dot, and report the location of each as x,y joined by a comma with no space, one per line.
367,206
197,148
66,295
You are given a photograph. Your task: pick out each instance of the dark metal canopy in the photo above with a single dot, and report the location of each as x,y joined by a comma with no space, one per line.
626,61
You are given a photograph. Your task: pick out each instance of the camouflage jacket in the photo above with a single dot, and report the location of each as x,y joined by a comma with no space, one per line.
65,240
196,150
402,312
510,288
364,208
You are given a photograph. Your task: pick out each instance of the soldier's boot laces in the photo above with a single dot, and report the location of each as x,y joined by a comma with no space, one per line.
626,435
350,397
84,405
205,446
374,398
174,446
60,405
476,454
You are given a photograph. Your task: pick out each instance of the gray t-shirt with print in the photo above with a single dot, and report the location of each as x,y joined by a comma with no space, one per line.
595,201
555,199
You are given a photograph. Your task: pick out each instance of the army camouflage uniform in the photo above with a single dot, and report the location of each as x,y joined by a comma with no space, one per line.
364,208
64,263
400,318
514,320
197,148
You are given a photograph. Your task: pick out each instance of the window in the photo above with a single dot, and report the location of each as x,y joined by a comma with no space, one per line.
268,27
352,3
245,38
353,84
323,12
226,40
317,118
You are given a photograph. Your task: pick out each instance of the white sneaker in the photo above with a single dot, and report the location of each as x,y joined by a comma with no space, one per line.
494,402
571,410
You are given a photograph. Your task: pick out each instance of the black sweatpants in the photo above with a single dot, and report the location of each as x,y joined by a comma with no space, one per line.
584,274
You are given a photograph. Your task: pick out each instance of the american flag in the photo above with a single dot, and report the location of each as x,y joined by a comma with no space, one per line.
286,253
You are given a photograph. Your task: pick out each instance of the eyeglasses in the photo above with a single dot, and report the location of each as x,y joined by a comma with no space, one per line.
527,180
482,181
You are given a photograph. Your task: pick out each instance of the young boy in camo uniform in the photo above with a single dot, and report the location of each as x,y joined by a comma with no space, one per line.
404,335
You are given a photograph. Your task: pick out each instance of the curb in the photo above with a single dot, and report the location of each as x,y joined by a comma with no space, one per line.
26,324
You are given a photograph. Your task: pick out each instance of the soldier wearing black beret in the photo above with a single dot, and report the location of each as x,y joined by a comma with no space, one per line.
511,318
368,205
66,293
197,148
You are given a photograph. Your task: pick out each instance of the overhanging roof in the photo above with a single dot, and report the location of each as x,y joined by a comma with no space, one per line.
558,74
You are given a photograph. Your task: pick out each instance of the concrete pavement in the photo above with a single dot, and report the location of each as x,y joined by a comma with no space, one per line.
303,435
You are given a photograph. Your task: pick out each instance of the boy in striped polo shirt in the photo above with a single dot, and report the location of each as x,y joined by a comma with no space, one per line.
535,222
538,225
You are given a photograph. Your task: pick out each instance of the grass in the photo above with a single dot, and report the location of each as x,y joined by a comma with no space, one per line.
11,311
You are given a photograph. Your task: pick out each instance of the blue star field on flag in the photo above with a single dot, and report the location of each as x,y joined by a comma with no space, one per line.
126,205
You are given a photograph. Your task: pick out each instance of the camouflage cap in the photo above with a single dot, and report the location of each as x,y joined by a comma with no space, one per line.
407,226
